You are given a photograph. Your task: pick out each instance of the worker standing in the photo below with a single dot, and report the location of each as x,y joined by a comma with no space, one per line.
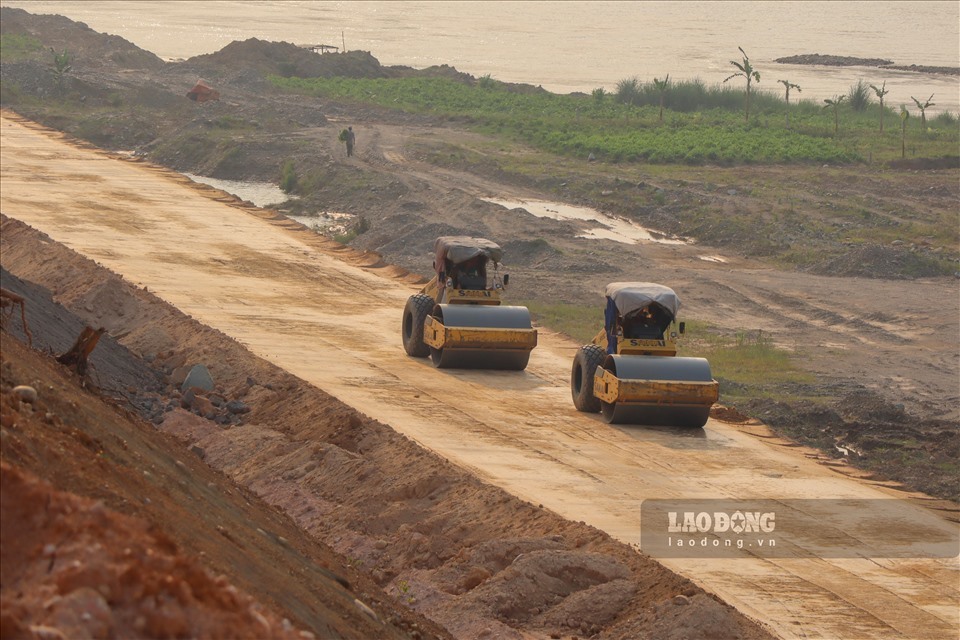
351,140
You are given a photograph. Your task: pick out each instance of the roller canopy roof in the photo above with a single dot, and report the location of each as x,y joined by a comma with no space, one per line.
459,249
633,296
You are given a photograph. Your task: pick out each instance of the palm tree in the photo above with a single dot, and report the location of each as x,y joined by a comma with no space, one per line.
882,91
747,71
835,104
923,111
789,85
661,86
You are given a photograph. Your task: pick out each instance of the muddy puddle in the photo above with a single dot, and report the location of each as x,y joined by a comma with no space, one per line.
608,227
262,194
267,194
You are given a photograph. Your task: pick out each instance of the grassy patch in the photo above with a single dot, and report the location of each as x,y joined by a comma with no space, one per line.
748,364
577,321
702,125
17,46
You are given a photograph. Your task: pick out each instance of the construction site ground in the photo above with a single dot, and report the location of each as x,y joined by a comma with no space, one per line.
328,485
354,486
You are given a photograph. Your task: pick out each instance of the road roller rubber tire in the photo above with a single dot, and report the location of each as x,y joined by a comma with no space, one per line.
585,364
415,313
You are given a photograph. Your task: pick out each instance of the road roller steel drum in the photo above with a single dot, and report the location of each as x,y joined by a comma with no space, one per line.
655,390
479,337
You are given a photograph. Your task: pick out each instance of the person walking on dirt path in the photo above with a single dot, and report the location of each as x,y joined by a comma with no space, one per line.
348,137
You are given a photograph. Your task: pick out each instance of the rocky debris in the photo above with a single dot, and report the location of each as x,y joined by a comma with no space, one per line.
25,393
833,61
918,68
135,382
237,407
54,582
849,61
198,377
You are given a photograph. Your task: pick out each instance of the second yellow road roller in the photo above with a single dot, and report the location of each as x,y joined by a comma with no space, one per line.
631,373
458,318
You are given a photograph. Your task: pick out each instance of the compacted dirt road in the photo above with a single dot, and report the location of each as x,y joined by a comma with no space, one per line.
290,297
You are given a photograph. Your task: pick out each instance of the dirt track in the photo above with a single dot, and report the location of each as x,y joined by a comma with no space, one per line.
291,300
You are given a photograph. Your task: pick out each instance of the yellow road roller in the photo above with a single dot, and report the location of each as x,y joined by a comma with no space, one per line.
458,320
631,373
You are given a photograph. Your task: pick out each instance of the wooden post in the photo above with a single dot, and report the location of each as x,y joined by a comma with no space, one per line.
77,356
12,299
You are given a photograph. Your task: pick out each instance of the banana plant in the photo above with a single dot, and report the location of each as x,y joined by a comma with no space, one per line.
835,103
923,111
60,67
789,85
881,91
747,71
662,86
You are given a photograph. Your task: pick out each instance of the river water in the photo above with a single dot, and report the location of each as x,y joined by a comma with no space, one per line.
571,46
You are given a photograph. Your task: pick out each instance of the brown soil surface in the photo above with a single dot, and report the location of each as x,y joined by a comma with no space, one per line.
360,519
219,259
404,521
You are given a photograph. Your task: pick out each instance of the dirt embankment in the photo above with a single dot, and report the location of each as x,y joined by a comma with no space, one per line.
410,530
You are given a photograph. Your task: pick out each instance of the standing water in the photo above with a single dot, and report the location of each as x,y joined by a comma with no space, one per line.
262,194
607,227
266,194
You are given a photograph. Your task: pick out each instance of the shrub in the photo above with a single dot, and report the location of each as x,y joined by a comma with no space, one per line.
946,120
487,82
287,69
859,96
288,177
629,91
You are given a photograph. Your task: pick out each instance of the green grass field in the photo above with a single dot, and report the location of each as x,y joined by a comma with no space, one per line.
700,124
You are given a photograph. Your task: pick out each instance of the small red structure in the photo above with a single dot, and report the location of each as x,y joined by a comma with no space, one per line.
201,92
